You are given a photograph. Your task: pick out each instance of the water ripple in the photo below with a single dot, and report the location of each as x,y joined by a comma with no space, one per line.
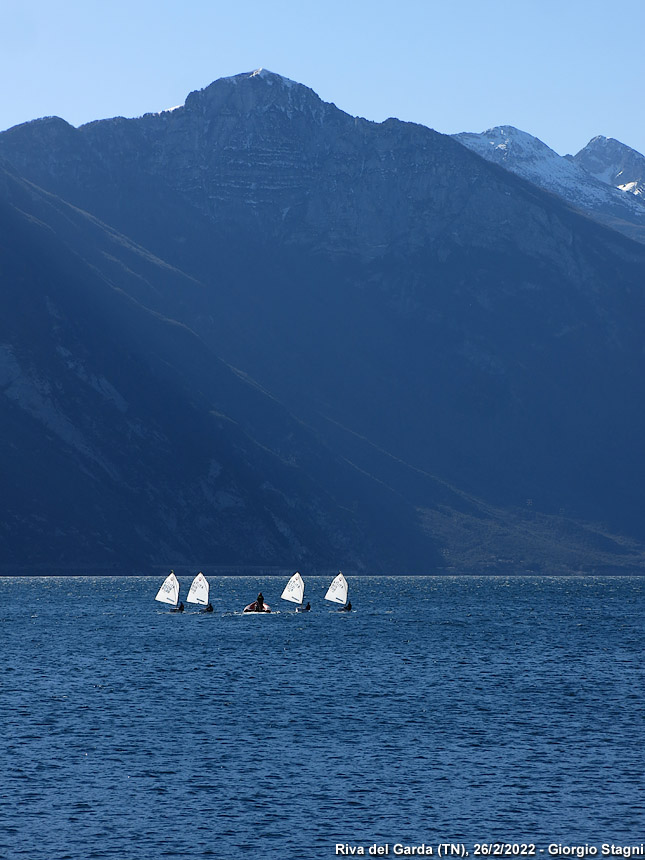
456,707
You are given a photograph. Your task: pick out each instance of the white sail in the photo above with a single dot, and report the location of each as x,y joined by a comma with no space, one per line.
337,591
198,590
294,589
169,591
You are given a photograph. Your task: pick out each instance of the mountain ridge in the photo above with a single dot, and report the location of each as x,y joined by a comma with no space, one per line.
567,176
450,340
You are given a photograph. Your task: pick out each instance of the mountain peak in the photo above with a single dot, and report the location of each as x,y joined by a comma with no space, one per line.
261,75
600,142
272,78
611,161
584,182
505,142
264,75
260,89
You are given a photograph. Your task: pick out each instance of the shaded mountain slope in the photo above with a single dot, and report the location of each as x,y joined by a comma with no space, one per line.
127,440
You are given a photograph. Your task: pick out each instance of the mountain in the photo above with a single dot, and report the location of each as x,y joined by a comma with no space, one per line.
612,162
569,178
399,355
128,441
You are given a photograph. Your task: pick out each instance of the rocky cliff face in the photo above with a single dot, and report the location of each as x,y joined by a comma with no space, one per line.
259,153
425,346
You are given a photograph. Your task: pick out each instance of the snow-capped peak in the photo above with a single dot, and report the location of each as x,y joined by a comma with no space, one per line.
529,157
272,77
263,74
506,143
613,162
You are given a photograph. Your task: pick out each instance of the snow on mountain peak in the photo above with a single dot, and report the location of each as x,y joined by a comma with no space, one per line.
613,162
262,74
270,77
505,143
530,158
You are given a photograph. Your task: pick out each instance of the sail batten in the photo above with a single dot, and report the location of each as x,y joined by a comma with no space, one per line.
294,590
169,591
198,590
337,591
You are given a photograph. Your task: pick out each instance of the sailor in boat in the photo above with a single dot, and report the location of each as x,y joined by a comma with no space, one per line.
304,608
347,608
208,608
179,608
258,605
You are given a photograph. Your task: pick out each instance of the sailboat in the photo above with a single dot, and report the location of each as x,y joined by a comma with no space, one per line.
198,590
169,591
337,591
294,590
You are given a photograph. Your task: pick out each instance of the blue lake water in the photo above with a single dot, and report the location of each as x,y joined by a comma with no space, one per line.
462,709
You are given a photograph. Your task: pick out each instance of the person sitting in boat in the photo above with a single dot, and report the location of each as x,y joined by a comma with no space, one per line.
258,605
179,608
208,608
347,608
307,607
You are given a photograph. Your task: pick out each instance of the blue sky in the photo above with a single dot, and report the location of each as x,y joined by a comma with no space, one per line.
564,70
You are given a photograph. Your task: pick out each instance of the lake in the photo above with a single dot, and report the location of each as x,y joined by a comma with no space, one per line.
444,709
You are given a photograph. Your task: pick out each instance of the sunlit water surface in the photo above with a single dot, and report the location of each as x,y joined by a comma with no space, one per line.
451,708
